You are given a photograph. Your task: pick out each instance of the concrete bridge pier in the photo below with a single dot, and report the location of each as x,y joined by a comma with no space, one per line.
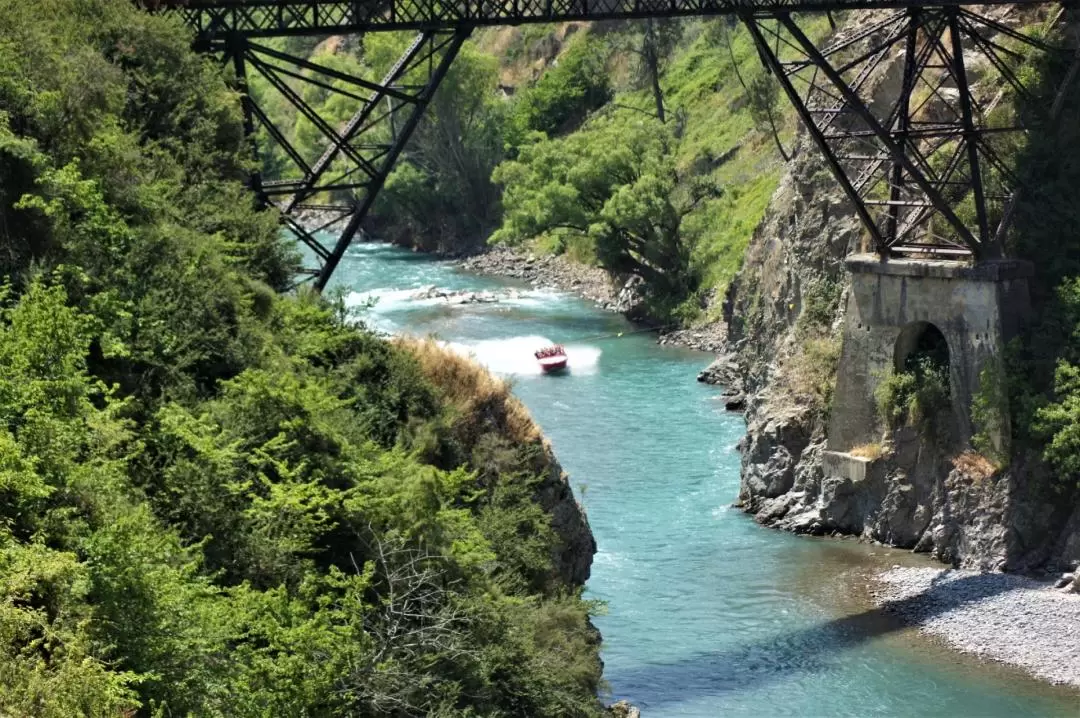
899,306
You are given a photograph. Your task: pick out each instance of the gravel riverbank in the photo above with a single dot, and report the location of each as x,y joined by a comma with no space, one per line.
1001,617
591,283
549,270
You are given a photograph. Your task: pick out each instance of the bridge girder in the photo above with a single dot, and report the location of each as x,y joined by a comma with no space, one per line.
925,172
254,18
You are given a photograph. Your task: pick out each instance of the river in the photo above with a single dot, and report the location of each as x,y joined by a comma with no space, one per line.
708,614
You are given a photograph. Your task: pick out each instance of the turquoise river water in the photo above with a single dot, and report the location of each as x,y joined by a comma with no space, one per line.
708,614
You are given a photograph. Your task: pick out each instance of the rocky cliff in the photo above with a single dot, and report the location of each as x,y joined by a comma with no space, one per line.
498,436
784,312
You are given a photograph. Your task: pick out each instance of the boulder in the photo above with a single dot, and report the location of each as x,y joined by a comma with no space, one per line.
724,371
623,709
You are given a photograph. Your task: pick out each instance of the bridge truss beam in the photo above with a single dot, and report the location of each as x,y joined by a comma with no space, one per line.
922,152
274,18
355,157
928,170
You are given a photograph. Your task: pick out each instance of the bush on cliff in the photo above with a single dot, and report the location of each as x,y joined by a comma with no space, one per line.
218,500
914,396
614,186
1041,368
564,95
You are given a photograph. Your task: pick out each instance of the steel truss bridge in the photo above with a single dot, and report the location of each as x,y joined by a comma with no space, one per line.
914,110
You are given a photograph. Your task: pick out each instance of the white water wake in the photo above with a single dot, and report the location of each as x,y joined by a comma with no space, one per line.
514,355
511,356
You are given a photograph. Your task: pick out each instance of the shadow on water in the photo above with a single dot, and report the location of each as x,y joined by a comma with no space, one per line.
810,650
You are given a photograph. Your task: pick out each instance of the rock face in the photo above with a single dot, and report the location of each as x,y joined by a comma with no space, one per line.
795,253
623,709
916,490
462,296
568,519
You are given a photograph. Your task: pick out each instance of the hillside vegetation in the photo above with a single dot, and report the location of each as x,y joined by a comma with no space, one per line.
218,500
515,147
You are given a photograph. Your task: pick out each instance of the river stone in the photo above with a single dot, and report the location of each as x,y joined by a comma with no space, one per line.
624,709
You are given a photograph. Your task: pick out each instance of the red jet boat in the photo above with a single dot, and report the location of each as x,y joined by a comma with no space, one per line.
552,359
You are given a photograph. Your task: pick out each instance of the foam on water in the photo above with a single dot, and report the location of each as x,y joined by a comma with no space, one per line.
388,299
385,300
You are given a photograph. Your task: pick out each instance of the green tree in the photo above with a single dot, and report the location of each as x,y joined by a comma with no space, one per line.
564,95
441,197
1059,421
651,41
217,499
615,184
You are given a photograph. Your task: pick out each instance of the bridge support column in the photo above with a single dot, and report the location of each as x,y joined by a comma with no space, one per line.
355,157
914,147
966,313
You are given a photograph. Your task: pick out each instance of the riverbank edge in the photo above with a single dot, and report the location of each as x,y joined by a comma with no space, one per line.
591,283
1001,617
588,282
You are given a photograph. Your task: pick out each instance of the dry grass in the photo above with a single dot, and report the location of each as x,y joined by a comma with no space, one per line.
975,465
477,396
868,451
811,373
497,41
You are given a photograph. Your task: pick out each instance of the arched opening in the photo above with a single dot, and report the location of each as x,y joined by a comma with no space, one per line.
919,388
920,347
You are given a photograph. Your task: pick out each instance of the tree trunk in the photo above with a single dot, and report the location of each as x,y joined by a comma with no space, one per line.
776,137
651,57
731,54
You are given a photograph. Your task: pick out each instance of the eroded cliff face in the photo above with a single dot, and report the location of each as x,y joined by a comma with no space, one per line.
785,313
499,436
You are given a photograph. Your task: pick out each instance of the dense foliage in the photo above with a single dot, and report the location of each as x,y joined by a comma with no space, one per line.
1042,364
218,500
913,396
511,88
564,95
615,188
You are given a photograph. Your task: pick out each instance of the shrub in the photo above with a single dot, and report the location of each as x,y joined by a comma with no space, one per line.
811,374
913,397
215,500
566,93
989,414
975,465
868,451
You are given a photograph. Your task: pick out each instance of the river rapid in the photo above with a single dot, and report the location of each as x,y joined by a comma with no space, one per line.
707,614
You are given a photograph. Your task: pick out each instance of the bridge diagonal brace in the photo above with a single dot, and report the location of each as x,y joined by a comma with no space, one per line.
323,70
896,151
422,50
236,48
903,123
804,112
269,72
279,137
444,49
971,136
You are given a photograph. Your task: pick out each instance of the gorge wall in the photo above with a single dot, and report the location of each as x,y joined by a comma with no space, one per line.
909,488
